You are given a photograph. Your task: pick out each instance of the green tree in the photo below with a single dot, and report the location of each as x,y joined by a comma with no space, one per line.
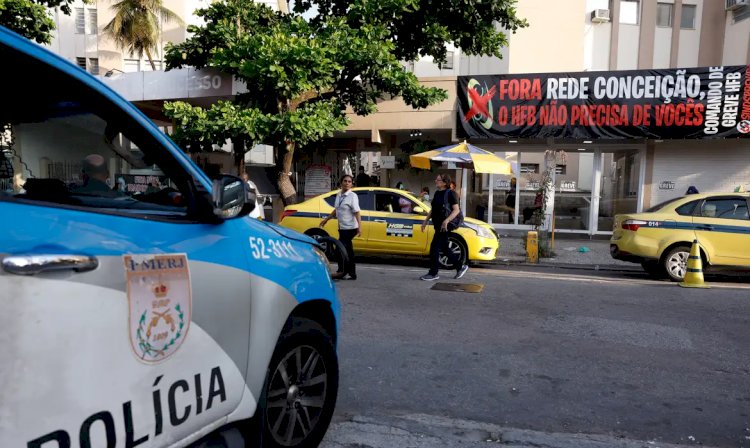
32,18
302,72
136,28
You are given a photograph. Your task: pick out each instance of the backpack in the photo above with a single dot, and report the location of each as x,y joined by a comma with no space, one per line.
447,210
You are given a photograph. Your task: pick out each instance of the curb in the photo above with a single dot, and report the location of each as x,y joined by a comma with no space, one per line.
560,265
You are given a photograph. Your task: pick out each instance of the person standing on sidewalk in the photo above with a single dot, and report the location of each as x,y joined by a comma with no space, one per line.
441,220
346,209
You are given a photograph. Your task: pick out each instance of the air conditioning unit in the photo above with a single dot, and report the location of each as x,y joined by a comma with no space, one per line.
601,15
736,4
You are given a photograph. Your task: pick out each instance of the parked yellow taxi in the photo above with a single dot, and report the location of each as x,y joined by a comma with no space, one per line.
660,239
391,225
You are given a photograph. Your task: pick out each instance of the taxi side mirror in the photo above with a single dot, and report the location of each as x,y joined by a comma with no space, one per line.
419,210
230,195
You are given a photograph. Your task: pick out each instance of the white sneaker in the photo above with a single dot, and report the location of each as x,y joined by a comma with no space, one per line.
461,271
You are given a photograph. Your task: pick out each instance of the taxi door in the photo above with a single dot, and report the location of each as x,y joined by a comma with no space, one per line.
722,225
124,317
393,231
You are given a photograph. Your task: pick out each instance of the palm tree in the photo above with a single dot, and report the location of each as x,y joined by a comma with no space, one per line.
136,27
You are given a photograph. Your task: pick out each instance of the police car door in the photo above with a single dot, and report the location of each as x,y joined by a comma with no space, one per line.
124,317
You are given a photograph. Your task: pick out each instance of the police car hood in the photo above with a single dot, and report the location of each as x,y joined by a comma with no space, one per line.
291,234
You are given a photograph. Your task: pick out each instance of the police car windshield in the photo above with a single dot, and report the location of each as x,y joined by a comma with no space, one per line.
73,156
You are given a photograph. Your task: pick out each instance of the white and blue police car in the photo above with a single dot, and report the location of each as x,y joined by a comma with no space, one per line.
139,305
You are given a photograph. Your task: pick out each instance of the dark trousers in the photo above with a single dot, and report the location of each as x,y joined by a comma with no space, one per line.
346,236
440,244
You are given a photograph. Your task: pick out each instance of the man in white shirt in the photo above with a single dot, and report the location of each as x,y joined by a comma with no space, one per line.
257,212
346,209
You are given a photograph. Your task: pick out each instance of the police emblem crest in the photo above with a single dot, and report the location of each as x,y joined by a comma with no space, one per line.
159,304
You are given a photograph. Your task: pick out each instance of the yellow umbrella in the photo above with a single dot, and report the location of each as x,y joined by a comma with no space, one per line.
463,154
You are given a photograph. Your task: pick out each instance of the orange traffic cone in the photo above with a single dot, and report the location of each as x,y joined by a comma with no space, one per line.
694,273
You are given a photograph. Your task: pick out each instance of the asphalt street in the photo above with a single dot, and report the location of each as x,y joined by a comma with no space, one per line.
541,357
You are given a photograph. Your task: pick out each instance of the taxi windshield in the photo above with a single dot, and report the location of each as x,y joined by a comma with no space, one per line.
664,204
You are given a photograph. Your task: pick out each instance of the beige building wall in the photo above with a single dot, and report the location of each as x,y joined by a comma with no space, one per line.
627,49
394,114
736,42
596,38
662,47
554,40
690,39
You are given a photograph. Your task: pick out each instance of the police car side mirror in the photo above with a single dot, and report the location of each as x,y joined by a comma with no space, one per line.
230,197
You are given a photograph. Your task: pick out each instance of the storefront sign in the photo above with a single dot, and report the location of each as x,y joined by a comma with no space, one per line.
317,180
568,185
388,162
709,102
502,184
666,185
532,185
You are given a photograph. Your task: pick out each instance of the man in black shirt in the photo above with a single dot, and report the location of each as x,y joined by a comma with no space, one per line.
441,220
363,180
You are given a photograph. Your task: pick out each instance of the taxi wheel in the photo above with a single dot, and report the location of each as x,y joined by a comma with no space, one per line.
317,234
675,262
301,386
457,246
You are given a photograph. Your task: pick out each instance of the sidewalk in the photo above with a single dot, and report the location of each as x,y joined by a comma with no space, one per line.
568,251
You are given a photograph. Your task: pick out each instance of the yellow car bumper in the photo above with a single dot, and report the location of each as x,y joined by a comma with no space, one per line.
481,249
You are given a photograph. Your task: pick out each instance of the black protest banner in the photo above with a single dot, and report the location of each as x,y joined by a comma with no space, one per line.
708,102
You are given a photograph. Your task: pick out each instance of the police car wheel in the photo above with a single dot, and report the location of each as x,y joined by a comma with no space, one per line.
301,386
675,262
459,250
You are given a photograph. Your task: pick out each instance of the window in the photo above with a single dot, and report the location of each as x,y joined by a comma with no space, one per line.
365,200
80,21
81,62
664,204
629,12
664,15
448,61
740,14
686,209
561,169
94,66
131,65
387,202
688,17
76,151
146,66
93,26
529,168
725,208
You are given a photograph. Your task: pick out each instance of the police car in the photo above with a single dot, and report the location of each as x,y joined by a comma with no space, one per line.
148,311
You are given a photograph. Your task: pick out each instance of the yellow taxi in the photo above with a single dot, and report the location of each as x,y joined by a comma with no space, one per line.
660,239
392,225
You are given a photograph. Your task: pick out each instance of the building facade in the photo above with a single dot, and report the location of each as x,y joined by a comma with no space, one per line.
599,177
595,178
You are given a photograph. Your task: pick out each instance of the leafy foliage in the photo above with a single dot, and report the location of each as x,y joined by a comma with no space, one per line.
135,26
302,74
31,18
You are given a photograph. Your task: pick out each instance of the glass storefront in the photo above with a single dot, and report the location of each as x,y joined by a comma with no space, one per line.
590,186
619,186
